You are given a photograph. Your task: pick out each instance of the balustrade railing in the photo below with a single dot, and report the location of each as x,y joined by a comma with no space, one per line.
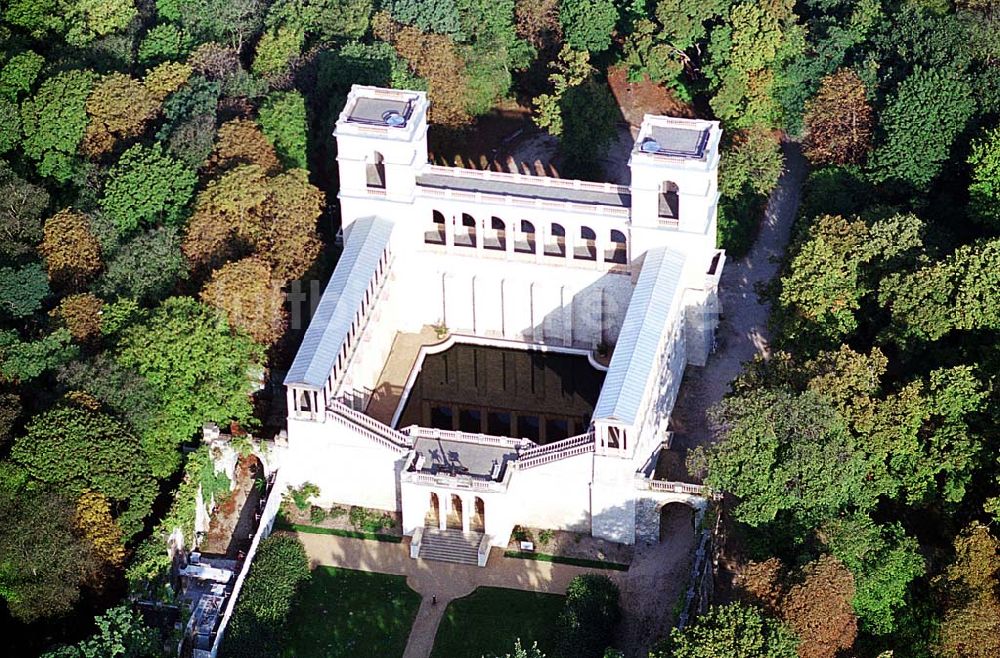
371,428
415,432
523,202
571,447
523,179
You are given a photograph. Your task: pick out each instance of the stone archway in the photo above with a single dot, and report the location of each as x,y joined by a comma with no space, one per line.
477,522
674,518
432,518
454,519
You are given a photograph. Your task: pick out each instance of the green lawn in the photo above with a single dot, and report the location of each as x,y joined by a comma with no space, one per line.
487,622
352,613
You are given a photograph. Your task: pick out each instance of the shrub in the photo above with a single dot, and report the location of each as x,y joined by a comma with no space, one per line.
370,520
260,616
317,515
301,495
587,623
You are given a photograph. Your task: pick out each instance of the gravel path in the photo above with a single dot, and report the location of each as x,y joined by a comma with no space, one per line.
742,332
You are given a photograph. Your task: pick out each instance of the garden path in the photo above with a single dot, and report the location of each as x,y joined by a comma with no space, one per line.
444,580
742,332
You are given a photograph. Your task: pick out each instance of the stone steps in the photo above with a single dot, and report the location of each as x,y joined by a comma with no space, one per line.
450,546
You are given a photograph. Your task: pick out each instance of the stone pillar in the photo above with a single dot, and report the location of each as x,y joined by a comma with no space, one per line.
449,232
444,506
466,517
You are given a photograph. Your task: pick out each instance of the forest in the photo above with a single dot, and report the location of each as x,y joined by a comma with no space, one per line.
167,176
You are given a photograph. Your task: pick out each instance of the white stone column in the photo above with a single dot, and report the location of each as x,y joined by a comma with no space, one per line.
449,232
444,505
466,517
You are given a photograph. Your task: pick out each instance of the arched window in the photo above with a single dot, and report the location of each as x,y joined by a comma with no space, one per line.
525,242
465,235
669,201
586,248
618,249
555,245
437,231
496,237
375,170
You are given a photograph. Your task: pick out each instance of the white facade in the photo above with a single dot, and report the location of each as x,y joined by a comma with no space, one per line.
530,261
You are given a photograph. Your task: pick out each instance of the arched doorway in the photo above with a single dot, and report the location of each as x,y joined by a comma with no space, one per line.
465,236
676,520
496,237
455,513
555,245
525,242
433,516
478,520
618,252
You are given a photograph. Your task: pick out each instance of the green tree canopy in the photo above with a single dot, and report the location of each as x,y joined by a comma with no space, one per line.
148,187
197,367
918,127
77,450
588,24
587,623
121,633
283,120
54,122
730,631
146,268
22,290
44,558
984,190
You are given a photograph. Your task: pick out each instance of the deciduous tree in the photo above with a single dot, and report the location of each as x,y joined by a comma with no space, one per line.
94,521
79,450
146,268
984,190
81,314
71,251
839,121
919,125
54,121
22,361
20,215
147,187
122,633
196,366
967,592
19,74
588,24
44,560
252,301
241,142
119,107
730,630
283,121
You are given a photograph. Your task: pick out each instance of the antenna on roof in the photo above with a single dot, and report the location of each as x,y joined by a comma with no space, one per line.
393,118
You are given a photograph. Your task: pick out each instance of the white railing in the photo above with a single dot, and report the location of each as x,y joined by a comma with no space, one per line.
263,531
454,481
571,442
676,487
524,179
522,202
378,432
417,432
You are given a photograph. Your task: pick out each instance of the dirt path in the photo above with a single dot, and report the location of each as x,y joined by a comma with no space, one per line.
742,333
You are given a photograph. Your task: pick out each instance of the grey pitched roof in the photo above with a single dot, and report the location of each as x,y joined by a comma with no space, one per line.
364,243
635,354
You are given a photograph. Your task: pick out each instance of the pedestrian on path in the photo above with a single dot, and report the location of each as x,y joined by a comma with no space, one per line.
434,599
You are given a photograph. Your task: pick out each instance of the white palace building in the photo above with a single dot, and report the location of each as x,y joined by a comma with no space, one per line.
424,382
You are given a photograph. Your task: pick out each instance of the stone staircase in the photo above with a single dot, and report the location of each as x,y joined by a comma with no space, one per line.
450,546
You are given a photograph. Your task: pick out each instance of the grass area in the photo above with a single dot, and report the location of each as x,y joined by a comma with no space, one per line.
317,530
486,623
352,613
562,559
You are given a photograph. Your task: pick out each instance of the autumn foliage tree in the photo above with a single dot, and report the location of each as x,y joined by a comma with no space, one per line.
250,298
241,142
119,108
969,596
435,58
70,248
839,121
246,211
82,316
94,520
